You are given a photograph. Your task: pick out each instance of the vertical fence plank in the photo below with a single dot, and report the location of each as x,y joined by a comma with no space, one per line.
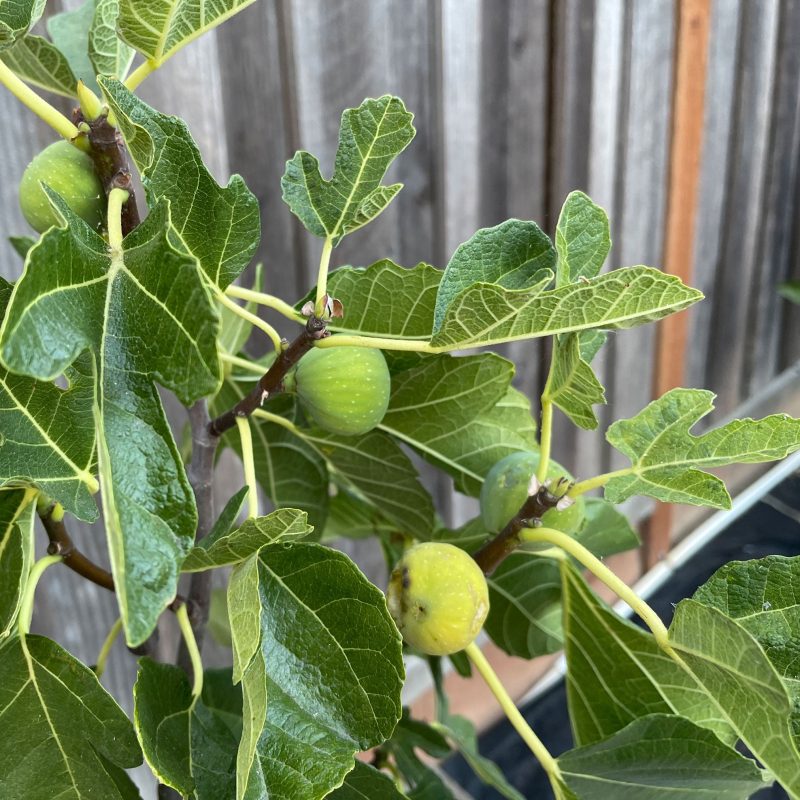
776,220
686,142
739,256
641,202
715,164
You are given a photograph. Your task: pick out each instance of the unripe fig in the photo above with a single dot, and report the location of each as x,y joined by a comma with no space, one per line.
506,487
344,389
68,171
438,597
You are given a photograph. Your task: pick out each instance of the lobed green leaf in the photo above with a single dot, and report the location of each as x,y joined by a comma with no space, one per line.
370,138
366,783
48,438
108,53
665,457
583,239
69,31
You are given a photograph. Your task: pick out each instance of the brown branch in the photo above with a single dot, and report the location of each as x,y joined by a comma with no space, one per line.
110,157
492,554
61,544
272,380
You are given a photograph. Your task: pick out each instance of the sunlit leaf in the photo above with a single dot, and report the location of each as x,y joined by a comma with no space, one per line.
108,53
219,226
583,239
488,314
122,306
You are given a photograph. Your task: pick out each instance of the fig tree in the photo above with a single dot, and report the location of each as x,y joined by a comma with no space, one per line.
344,389
506,487
68,171
438,597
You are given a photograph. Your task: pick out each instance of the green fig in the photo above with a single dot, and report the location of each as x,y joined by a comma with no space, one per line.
68,171
438,597
345,390
506,487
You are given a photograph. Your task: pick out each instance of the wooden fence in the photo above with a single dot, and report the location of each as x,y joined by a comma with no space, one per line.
517,102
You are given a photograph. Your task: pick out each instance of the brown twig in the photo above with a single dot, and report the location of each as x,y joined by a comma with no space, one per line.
61,544
491,554
110,157
272,380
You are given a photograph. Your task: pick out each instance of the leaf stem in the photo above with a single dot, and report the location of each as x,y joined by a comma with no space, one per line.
116,199
546,433
266,300
254,320
243,423
26,606
549,764
322,275
414,345
140,73
191,645
277,419
601,571
102,656
51,115
599,480
236,361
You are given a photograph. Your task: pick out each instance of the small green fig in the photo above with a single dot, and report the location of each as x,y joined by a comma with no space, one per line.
344,389
506,486
68,171
438,597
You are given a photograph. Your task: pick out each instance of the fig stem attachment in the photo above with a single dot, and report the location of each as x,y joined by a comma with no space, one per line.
597,482
182,615
102,656
322,276
255,321
603,573
26,606
51,115
542,754
266,300
246,436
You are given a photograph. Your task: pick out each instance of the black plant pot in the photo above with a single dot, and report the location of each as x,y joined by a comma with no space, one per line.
763,530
